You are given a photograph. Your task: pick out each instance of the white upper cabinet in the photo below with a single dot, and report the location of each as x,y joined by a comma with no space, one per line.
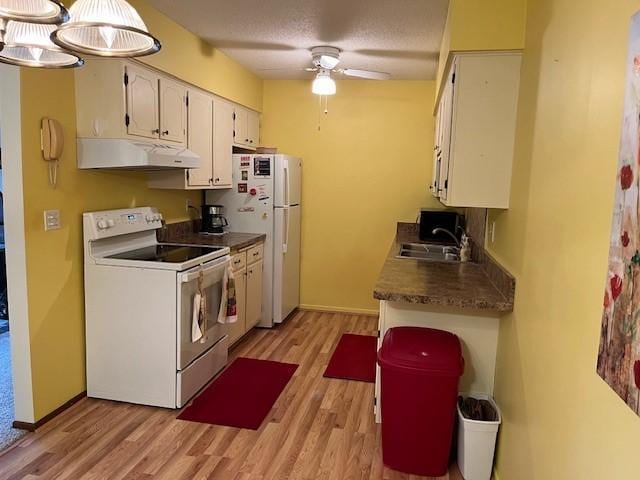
475,130
173,111
253,127
246,128
142,102
200,137
222,143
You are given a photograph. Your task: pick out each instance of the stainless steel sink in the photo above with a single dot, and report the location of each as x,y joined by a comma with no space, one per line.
429,252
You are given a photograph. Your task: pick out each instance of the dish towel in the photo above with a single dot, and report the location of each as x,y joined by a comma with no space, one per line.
199,317
228,306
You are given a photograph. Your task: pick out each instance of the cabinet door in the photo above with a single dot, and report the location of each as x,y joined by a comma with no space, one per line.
222,143
254,294
142,102
173,111
253,127
200,137
446,134
241,126
238,329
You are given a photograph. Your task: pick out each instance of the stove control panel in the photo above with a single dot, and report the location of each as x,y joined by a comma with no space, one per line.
111,223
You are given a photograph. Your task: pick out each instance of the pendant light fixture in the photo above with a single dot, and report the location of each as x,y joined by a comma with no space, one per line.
323,84
3,31
106,28
30,45
33,11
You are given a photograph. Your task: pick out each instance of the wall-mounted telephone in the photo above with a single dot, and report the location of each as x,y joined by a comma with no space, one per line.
52,143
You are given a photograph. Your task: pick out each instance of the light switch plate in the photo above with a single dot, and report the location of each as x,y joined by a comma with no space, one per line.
52,220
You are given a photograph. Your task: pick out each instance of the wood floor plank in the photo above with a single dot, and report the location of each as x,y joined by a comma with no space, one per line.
319,428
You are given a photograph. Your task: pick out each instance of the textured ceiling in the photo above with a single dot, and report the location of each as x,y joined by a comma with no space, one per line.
273,37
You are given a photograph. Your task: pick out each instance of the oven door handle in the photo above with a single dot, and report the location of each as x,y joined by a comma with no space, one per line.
205,268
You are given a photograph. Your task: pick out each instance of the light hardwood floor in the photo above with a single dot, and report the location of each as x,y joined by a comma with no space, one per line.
318,429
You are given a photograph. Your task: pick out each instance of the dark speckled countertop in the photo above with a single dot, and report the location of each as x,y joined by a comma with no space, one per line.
482,285
188,233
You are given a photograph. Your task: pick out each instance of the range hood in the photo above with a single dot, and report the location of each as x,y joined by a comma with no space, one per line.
133,155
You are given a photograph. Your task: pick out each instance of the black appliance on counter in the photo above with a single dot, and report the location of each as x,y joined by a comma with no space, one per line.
447,219
213,220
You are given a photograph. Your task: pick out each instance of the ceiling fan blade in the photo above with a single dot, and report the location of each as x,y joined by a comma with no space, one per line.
352,72
307,69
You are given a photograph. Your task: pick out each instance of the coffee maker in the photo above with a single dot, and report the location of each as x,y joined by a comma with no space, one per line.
213,220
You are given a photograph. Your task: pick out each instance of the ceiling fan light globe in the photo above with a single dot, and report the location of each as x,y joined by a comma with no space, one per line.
105,28
323,85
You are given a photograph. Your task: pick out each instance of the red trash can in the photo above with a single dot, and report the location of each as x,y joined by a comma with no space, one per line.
420,369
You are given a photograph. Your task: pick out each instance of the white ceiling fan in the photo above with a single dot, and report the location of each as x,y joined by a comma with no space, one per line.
325,61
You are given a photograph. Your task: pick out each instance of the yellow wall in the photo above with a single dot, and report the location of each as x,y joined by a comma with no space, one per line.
54,259
485,25
561,421
368,167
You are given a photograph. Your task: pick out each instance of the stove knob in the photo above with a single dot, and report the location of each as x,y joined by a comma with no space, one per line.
149,218
111,223
102,224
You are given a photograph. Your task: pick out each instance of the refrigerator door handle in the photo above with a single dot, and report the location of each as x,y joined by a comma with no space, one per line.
285,165
286,229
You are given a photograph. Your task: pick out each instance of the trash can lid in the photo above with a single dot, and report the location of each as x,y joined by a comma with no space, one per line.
423,350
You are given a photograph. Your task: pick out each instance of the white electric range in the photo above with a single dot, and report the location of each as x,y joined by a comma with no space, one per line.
139,310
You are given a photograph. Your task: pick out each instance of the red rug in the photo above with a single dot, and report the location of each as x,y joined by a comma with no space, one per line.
242,395
354,358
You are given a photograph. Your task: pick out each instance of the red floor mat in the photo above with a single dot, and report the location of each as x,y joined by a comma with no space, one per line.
354,358
242,395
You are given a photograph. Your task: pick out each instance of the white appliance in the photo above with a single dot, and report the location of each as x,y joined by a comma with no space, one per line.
266,198
133,155
139,306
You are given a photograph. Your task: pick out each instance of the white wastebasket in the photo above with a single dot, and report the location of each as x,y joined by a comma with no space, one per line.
477,443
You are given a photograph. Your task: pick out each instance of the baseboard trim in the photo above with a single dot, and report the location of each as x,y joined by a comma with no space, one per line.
31,427
331,309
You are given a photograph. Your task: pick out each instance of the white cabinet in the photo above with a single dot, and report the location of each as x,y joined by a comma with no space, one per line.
222,143
246,128
248,272
475,130
142,109
210,135
173,112
121,99
200,137
254,294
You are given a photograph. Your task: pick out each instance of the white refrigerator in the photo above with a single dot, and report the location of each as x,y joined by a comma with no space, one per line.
266,198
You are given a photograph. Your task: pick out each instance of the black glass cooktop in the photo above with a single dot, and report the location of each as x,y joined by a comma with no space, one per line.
165,253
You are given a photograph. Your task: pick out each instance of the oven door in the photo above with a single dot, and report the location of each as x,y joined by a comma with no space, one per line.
213,276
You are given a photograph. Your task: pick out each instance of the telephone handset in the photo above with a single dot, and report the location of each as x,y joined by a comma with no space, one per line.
52,138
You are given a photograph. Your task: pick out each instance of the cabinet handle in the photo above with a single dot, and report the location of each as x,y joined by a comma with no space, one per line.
155,130
251,271
165,132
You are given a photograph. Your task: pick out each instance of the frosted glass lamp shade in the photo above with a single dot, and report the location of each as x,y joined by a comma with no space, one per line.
106,28
34,11
30,45
323,84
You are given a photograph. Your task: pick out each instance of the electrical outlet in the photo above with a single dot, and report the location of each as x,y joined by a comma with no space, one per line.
188,205
51,220
493,232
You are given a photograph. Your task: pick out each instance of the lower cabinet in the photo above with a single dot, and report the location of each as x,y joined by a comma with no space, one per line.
254,295
247,268
238,329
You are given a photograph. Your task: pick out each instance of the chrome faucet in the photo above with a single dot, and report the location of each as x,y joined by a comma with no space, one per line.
444,230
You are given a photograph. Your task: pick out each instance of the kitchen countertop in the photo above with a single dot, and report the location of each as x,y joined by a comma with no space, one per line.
187,233
481,285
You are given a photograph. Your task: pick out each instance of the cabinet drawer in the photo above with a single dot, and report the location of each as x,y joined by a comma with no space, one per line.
239,261
255,253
